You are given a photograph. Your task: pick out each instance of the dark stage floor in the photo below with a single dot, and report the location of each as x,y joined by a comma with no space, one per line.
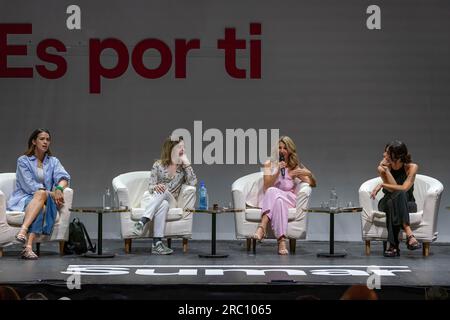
242,275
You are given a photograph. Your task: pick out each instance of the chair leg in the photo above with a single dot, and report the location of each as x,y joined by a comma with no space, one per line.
292,245
254,245
61,247
38,248
128,245
169,242
1,252
249,244
367,247
185,245
425,249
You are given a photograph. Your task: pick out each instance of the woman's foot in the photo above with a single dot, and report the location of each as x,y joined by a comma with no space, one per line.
260,233
28,254
282,248
22,235
392,252
412,243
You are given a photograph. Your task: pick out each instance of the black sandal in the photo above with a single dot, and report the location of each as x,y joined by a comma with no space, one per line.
392,252
414,246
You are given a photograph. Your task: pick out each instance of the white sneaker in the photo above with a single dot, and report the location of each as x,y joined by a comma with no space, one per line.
138,228
160,248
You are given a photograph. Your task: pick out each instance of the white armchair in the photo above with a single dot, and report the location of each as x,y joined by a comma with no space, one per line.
11,221
247,193
427,192
130,188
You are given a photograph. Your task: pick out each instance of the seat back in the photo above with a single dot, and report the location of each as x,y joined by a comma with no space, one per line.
253,188
137,183
7,183
422,184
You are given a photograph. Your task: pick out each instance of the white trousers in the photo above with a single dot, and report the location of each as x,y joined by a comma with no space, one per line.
157,209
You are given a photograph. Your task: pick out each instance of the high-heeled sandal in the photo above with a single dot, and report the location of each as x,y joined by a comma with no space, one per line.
257,236
414,246
392,252
28,254
22,237
282,251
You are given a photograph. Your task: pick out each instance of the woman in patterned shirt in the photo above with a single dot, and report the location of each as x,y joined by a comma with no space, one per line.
166,179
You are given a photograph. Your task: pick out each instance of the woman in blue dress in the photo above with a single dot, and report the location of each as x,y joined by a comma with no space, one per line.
39,191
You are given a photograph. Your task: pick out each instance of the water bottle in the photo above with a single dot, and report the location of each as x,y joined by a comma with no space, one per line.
107,199
203,196
333,199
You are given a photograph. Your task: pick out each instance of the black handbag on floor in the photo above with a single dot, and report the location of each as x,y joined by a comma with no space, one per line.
77,239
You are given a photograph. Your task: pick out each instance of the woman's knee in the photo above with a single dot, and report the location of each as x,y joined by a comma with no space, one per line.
40,195
279,201
165,205
401,194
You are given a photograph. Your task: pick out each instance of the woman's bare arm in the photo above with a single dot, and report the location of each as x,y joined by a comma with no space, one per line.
409,182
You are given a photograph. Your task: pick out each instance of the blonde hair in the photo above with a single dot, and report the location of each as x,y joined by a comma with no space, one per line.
293,160
166,151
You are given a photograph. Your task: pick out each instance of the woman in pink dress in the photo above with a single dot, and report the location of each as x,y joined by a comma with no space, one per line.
280,180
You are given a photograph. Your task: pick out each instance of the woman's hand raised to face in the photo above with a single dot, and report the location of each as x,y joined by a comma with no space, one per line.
160,188
385,164
184,160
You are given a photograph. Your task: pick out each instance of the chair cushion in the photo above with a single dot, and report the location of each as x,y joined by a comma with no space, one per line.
254,214
379,218
174,214
15,218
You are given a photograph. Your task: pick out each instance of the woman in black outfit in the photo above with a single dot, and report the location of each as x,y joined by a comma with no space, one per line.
398,173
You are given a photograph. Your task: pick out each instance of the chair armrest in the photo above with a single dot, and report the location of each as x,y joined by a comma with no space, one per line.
61,229
122,192
2,208
303,196
238,197
431,204
369,205
186,198
237,193
241,188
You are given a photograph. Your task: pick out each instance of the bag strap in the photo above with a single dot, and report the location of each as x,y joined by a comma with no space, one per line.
91,248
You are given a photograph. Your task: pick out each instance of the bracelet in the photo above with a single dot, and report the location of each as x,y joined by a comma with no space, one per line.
59,188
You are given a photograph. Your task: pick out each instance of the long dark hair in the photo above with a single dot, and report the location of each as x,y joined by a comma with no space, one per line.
397,150
33,136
